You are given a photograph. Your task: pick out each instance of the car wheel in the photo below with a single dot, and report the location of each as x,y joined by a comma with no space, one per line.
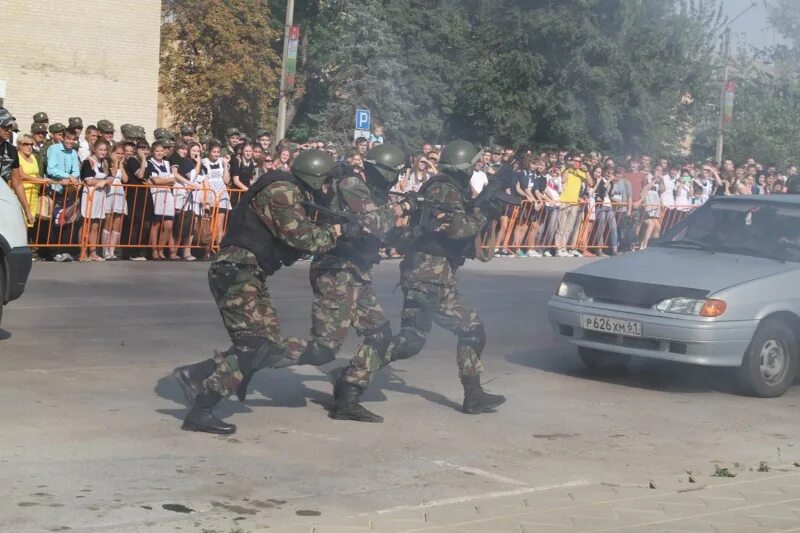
770,364
601,360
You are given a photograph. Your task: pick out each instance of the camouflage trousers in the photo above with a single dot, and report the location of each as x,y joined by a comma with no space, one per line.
431,295
343,298
241,294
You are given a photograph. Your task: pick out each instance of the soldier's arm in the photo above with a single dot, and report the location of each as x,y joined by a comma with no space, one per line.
378,220
461,224
279,207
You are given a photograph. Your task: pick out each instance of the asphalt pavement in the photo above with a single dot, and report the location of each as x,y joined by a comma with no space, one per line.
90,437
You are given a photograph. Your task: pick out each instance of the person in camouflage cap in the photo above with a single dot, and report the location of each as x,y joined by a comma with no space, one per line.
341,278
41,116
268,229
428,273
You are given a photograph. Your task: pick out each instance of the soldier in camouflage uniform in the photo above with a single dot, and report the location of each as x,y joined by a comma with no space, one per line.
428,274
342,279
269,229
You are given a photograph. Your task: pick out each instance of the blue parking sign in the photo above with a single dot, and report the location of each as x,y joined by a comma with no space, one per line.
362,119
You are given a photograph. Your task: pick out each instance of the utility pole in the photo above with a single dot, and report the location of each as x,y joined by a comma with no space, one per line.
726,43
282,103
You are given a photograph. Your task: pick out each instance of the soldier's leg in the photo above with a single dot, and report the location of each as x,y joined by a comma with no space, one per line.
372,324
332,313
455,315
421,299
244,303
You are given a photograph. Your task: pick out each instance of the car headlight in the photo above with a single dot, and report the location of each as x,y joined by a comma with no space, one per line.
691,306
573,291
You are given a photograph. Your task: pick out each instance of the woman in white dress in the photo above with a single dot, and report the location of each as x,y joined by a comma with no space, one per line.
160,178
96,177
116,206
217,171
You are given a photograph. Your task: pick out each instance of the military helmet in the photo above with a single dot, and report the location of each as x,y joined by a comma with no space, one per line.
105,126
386,160
57,127
6,119
38,127
187,130
160,133
459,156
127,130
75,123
313,167
41,116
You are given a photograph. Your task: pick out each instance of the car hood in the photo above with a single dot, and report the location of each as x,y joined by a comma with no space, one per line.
693,269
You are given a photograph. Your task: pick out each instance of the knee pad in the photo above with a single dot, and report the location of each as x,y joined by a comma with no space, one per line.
474,338
407,344
379,338
316,354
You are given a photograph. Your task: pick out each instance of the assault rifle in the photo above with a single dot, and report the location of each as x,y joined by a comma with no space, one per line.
417,200
351,225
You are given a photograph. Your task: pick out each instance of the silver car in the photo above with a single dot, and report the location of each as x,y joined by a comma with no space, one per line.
722,288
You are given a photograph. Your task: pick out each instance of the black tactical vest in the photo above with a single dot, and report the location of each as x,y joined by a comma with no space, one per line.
246,230
363,250
436,243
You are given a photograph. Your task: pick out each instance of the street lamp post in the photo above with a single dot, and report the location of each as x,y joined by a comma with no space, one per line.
282,103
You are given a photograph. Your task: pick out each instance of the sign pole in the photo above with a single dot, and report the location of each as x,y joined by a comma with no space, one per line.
722,98
282,103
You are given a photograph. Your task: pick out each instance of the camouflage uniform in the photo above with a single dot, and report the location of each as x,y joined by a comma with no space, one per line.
430,292
238,284
343,293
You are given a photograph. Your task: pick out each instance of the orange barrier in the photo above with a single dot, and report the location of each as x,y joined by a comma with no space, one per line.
91,222
176,222
535,226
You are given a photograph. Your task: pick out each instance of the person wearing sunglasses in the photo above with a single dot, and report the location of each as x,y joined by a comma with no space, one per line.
9,162
30,173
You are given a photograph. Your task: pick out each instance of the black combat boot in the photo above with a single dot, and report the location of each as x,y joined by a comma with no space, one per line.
241,389
191,377
347,406
201,417
477,400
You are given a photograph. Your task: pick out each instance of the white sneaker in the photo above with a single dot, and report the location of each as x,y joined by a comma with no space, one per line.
575,253
58,258
67,258
547,253
563,253
534,253
140,258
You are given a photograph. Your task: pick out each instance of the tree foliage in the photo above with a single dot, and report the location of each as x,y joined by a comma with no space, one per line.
608,74
219,67
766,123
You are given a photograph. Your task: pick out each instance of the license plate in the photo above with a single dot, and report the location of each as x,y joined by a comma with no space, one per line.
616,326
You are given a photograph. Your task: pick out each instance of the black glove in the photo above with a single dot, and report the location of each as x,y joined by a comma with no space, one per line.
409,205
352,227
493,210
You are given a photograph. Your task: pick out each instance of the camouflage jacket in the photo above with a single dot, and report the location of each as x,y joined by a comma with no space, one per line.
463,223
279,207
353,194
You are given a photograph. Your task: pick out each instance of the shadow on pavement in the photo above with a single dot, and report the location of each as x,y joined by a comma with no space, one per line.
4,334
285,388
640,373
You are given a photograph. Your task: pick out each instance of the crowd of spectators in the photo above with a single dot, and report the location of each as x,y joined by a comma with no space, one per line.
132,199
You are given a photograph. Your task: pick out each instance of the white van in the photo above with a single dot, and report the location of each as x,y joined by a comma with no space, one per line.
15,256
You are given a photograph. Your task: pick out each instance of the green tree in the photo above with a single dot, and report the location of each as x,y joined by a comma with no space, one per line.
766,119
218,63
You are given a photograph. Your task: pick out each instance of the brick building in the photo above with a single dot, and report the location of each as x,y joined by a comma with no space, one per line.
94,59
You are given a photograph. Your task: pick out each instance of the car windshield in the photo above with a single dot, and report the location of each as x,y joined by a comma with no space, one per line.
757,228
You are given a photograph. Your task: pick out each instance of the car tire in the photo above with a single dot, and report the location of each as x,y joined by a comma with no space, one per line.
770,363
600,360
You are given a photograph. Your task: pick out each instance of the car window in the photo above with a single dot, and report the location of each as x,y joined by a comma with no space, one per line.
758,229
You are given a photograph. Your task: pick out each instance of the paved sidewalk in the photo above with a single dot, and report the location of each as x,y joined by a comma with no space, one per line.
751,502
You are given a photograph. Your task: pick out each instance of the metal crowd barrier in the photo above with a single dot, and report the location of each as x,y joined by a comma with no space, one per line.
574,226
78,219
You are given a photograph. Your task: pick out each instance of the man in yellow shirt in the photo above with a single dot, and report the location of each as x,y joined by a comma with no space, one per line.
572,179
